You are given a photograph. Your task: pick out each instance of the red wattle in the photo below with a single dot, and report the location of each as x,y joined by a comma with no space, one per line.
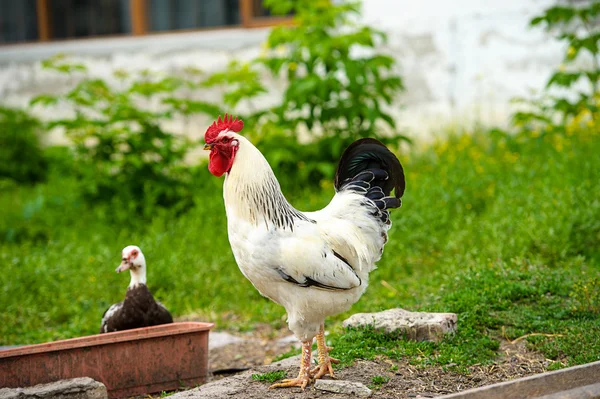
218,163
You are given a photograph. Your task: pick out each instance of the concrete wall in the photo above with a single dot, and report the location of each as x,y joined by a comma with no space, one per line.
462,60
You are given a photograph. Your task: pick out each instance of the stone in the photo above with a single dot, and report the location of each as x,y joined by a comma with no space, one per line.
75,388
241,384
418,326
218,339
10,393
233,386
343,387
288,341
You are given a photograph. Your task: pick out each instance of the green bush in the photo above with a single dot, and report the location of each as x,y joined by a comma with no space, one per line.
336,79
123,155
21,155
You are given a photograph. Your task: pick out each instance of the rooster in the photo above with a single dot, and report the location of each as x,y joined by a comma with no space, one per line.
314,264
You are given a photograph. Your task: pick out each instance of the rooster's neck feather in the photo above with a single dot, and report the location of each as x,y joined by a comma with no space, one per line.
252,192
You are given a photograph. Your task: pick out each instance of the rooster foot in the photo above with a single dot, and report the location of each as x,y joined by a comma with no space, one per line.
300,381
324,367
303,378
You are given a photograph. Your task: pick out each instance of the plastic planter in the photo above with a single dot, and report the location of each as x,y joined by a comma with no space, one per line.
132,362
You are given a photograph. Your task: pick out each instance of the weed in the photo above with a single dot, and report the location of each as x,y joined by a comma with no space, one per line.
271,376
378,380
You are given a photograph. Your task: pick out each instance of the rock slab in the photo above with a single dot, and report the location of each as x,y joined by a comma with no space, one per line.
240,385
75,388
418,326
343,387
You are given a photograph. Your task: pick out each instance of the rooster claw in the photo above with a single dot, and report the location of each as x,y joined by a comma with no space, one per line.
301,382
324,368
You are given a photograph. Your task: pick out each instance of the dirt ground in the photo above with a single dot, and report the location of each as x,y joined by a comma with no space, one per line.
405,380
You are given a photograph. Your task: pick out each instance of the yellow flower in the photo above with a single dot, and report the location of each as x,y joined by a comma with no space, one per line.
562,68
570,129
293,66
511,157
571,51
441,147
474,153
558,143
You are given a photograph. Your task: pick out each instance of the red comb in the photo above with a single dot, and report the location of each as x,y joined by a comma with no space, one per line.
227,123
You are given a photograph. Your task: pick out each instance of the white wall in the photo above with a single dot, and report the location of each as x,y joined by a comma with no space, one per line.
462,60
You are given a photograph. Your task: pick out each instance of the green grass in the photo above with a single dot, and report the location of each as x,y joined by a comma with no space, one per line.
378,381
503,232
271,376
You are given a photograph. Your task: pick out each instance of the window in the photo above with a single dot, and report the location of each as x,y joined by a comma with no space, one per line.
164,15
18,21
43,20
82,18
254,14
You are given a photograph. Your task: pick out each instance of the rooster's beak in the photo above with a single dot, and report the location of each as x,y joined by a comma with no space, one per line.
208,147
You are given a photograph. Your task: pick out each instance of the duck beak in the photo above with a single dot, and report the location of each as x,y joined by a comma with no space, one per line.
208,147
125,265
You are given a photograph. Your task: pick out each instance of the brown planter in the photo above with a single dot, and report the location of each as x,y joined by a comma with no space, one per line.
132,362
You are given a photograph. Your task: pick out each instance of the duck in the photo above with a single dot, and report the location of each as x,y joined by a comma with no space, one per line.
139,308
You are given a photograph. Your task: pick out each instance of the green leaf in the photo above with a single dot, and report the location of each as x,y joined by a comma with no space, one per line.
44,99
563,79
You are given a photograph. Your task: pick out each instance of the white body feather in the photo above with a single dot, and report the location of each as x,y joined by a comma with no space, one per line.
311,246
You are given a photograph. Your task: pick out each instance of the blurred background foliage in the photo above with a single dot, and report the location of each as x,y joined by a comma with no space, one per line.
571,98
22,158
518,205
125,158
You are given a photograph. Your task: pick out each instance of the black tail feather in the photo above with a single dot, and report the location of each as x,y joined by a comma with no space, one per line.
388,203
375,193
369,160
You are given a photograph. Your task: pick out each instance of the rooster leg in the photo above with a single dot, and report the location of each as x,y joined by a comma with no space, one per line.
304,376
325,360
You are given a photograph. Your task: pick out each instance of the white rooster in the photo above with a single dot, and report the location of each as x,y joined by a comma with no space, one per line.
314,264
